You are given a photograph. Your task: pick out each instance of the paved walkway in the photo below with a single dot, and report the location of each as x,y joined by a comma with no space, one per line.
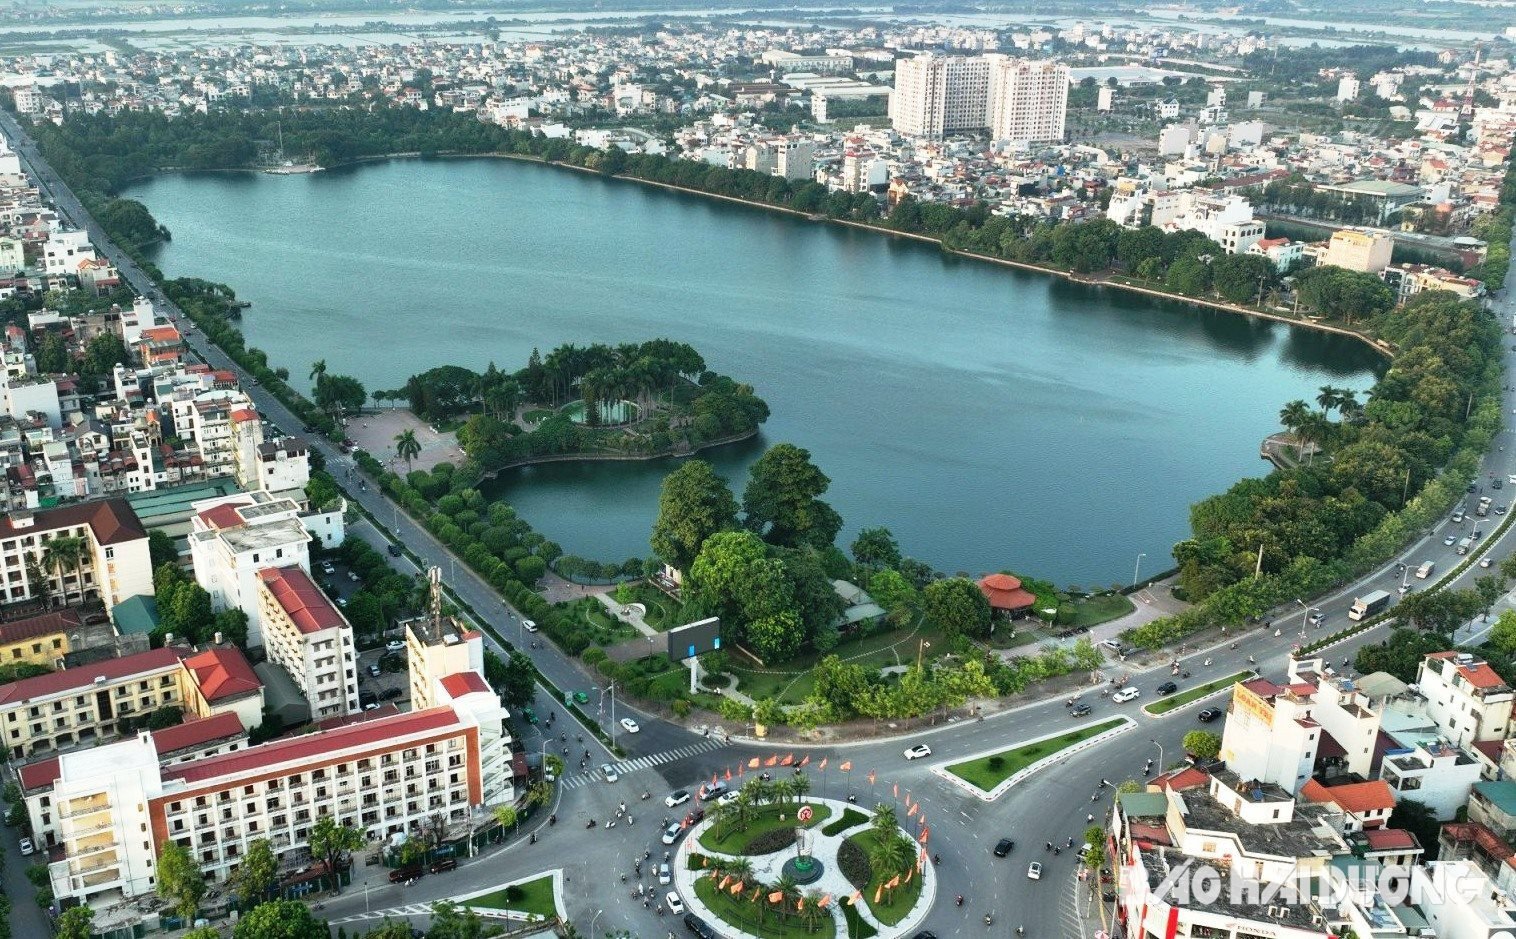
629,613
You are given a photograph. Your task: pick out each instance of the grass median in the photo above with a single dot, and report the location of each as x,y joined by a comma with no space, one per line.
759,917
747,837
1179,700
534,896
987,772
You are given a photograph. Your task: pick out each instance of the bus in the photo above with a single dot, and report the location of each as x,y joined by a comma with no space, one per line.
1368,604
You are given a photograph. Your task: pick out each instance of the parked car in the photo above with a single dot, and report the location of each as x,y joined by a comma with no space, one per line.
443,864
388,693
629,725
609,772
1003,847
373,670
394,645
27,848
327,568
365,698
1167,687
677,797
353,576
1207,715
1080,710
401,874
1125,695
918,751
1034,871
528,625
676,905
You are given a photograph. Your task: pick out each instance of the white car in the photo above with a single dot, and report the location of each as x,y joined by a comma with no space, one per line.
394,645
676,905
629,725
528,625
665,876
677,797
728,799
1484,562
918,751
671,834
609,772
1449,540
1511,479
27,848
1034,871
1125,695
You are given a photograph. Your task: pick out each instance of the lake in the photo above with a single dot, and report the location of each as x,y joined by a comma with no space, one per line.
992,418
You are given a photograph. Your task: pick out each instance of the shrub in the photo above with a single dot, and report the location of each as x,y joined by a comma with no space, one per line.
854,863
770,841
850,817
514,894
997,763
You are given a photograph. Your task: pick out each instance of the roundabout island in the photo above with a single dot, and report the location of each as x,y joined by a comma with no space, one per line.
766,867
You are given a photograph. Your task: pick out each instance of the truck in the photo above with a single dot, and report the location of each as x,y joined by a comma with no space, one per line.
1464,544
1368,604
1425,570
1484,507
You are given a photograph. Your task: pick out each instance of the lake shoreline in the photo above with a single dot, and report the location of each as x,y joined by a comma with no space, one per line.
619,457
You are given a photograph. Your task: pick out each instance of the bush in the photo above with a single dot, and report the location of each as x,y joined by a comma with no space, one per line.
514,894
850,817
770,841
854,863
997,763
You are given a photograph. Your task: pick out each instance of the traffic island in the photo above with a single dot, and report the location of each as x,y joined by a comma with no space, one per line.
989,774
1191,695
534,899
853,889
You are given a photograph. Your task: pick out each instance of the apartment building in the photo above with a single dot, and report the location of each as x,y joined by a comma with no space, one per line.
1367,252
436,647
42,639
308,637
84,705
112,565
1028,100
1467,700
1269,735
937,95
234,537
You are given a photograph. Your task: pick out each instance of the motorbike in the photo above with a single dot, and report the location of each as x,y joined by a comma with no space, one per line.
645,796
959,899
590,823
988,919
552,819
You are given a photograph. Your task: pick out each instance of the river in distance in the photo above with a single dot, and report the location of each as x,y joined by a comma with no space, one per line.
992,418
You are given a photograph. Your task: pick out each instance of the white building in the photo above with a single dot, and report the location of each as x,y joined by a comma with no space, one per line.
1270,735
64,250
1347,88
1028,100
937,95
1465,697
306,635
1439,775
113,564
233,537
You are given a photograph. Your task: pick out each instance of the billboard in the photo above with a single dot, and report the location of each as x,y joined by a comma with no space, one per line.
692,639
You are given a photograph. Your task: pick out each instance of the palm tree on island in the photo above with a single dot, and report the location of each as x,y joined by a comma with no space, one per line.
407,447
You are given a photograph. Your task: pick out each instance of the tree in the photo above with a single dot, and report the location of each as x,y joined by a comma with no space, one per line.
781,502
505,815
453,922
514,679
876,547
281,919
180,880
734,576
957,606
1503,633
1418,819
1202,744
390,929
776,638
336,394
257,873
407,447
329,841
161,548
318,372
693,504
75,923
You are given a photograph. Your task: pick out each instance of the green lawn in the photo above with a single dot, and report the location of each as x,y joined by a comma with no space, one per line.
857,928
535,896
662,613
1092,611
791,682
744,914
735,839
1165,705
892,907
987,772
850,818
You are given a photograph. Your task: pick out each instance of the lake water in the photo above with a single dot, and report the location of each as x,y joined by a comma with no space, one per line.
992,418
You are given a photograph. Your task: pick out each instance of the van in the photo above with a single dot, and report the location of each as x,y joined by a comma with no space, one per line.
444,864
401,874
1458,517
1424,570
1464,545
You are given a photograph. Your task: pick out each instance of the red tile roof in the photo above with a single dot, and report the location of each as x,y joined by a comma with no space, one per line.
1479,674
1004,592
314,746
222,673
459,684
72,679
1187,777
43,624
184,736
1355,798
111,520
1390,839
223,515
300,598
1490,748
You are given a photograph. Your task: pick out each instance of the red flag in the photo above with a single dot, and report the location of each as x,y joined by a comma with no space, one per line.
728,774
753,763
771,760
871,777
894,787
924,833
847,766
805,759
776,896
788,760
823,763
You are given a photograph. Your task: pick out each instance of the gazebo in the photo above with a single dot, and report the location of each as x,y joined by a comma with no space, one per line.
1005,594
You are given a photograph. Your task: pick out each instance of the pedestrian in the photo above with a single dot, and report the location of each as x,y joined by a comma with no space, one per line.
1090,817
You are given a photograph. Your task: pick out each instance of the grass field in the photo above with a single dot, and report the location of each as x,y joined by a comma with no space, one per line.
987,772
744,914
793,682
851,818
1165,705
892,907
735,840
536,896
1092,611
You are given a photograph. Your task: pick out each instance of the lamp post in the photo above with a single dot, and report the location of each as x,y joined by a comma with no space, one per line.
594,920
1155,743
1137,567
1305,615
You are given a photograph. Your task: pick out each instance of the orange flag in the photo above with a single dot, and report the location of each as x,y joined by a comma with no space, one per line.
825,901
871,777
878,892
823,763
853,900
757,892
894,787
924,833
740,769
911,872
753,763
788,759
771,760
847,766
805,759
912,811
737,887
703,859
894,882
724,881
713,779
728,774
776,896
799,906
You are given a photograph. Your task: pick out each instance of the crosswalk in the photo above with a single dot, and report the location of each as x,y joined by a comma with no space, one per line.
643,762
394,912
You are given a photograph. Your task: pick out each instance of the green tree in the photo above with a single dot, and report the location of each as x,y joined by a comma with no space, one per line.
1417,818
338,394
161,548
450,921
1242,278
257,873
329,842
782,499
390,929
777,637
876,547
1202,743
180,880
693,504
407,447
1503,633
734,577
956,606
514,679
1189,276
75,923
281,919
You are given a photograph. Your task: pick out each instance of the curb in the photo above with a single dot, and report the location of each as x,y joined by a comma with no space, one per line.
490,912
1205,697
941,771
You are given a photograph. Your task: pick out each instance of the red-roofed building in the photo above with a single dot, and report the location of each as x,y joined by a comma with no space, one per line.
1367,804
306,635
224,681
41,639
113,565
159,345
1005,594
1465,697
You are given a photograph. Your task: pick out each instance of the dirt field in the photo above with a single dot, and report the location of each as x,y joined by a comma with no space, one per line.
376,433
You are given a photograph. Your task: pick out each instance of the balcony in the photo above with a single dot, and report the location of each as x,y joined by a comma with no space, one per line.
78,869
78,808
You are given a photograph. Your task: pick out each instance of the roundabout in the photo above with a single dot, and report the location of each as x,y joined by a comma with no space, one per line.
821,867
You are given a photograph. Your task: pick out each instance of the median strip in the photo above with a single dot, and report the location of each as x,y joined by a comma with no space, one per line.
1175,701
989,774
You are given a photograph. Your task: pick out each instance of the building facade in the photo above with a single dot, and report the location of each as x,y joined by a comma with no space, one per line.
308,637
1028,100
111,565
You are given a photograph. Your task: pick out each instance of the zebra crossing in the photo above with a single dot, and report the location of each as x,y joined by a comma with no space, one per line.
643,762
394,912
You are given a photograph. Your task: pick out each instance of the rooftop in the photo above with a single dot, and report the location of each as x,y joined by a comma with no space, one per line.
300,598
111,520
459,684
223,673
191,735
41,624
1500,794
72,679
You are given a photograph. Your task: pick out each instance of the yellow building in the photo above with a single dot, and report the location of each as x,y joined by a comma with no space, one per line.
39,640
1367,252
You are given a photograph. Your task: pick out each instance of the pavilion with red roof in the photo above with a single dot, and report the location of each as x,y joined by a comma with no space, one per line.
1005,594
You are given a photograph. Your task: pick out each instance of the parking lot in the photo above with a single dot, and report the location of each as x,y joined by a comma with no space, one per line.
392,684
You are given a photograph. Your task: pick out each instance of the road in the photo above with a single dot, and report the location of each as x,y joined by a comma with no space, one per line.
1050,806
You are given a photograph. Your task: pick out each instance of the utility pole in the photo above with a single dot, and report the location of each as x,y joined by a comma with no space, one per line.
1258,571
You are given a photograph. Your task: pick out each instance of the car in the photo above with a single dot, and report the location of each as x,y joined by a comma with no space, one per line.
1111,644
698,926
27,848
1450,540
918,751
394,550
1405,588
1471,486
694,818
1497,484
1458,517
373,671
665,876
365,698
353,576
394,645
672,832
1003,847
629,725
1317,618
402,874
528,625
371,707
676,905
1080,710
1485,562
677,797
342,602
581,697
728,799
1167,687
327,568
925,934
711,790
443,864
1208,714
609,772
388,693
1034,871
1500,510
1125,695
530,715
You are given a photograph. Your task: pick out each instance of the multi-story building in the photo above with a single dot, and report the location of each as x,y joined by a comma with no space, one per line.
1467,700
234,537
937,95
1435,773
111,565
1367,252
795,158
435,647
1028,100
42,639
1269,735
306,635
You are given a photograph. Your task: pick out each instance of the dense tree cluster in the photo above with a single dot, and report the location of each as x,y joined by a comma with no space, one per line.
185,611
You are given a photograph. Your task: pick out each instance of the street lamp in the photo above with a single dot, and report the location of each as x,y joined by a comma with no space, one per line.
594,920
1137,567
1154,742
1305,614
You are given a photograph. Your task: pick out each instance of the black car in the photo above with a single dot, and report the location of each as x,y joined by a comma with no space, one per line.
1003,847
1079,710
1208,715
388,693
697,926
1167,687
925,935
394,550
